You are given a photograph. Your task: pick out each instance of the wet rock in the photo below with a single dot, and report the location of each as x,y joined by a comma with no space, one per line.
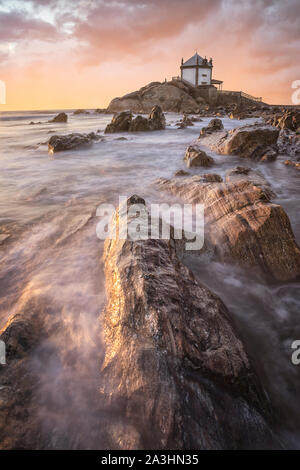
252,141
181,173
59,143
61,117
123,122
295,165
242,223
242,174
175,374
100,110
157,120
120,123
139,124
185,122
215,125
290,120
194,156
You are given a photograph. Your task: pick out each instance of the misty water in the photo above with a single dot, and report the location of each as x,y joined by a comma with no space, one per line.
48,205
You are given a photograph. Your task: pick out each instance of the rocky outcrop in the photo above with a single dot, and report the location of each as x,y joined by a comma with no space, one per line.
242,223
80,111
215,125
194,157
175,374
170,96
59,143
124,122
252,141
295,165
61,117
288,120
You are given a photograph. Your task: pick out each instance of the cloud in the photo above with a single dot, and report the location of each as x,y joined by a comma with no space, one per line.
17,25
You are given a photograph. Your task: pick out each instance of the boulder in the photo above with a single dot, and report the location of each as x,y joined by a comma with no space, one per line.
215,125
242,223
194,156
295,165
139,124
175,374
242,174
251,141
81,111
59,143
123,122
157,120
61,117
120,123
170,96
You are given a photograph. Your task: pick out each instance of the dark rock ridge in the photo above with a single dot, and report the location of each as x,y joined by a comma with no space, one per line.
251,141
61,117
59,143
175,374
242,223
124,122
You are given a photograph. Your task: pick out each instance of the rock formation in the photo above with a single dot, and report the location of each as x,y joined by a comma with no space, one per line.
175,375
59,143
251,141
215,125
242,223
61,117
194,157
171,96
124,122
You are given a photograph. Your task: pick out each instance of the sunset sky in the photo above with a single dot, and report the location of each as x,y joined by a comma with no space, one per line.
81,54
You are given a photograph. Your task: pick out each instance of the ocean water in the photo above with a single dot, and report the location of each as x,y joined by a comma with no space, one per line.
47,204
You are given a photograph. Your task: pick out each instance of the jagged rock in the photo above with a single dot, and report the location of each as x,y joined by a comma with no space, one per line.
100,110
170,96
61,117
123,122
215,125
171,353
293,164
242,223
185,122
120,123
157,120
59,143
139,124
194,156
251,141
290,120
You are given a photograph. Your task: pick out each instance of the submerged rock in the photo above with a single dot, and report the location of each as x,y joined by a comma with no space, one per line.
251,141
61,117
242,223
194,157
175,374
59,143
